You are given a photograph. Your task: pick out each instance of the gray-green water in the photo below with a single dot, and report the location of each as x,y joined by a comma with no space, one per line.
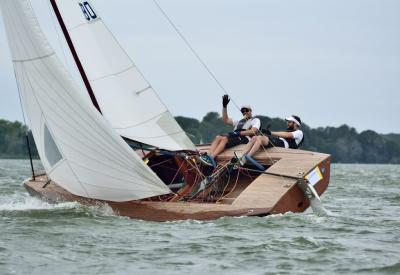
360,235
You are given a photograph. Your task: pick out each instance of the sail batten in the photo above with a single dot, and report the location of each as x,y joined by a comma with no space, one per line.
78,147
114,74
125,97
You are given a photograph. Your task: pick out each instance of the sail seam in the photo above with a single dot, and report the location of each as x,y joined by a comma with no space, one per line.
42,117
126,172
116,151
81,25
65,144
33,59
57,164
141,123
127,167
15,23
140,73
37,94
90,121
133,179
113,74
169,134
55,103
138,182
112,149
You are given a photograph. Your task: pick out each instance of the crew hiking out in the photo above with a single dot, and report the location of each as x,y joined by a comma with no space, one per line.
292,138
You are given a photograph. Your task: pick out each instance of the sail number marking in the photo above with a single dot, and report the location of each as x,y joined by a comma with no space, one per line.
88,11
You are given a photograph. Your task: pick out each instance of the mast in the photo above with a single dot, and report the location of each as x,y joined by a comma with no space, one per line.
75,55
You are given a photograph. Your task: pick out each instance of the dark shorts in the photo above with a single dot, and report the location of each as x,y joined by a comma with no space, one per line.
275,142
233,141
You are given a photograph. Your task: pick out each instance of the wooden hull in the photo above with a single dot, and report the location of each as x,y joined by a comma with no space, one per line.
266,194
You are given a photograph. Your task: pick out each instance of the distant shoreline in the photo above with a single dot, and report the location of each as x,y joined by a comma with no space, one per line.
343,143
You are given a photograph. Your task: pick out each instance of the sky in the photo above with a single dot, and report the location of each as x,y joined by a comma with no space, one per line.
331,62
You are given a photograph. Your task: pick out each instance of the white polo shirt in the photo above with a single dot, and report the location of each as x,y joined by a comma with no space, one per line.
253,122
297,135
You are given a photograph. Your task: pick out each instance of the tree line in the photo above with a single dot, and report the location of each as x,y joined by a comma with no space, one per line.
344,143
13,142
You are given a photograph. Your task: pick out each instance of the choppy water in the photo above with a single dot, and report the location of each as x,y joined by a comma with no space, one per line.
361,234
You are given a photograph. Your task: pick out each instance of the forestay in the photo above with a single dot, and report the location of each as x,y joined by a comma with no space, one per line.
126,99
77,146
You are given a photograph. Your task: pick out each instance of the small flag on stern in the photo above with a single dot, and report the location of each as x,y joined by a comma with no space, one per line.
314,176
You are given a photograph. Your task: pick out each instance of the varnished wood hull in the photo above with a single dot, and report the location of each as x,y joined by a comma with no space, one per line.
267,194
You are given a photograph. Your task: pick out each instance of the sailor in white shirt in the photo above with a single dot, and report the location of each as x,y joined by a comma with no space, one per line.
293,138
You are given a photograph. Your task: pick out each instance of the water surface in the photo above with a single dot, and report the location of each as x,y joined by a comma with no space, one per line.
359,236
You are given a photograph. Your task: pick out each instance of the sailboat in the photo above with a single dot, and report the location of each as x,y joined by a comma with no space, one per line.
117,143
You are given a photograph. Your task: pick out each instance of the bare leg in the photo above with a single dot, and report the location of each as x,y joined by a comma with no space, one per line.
214,144
249,145
220,147
260,140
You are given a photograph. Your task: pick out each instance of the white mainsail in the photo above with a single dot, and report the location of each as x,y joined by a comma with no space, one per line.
77,146
126,99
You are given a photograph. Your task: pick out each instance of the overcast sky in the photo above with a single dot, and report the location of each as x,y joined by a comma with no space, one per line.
330,62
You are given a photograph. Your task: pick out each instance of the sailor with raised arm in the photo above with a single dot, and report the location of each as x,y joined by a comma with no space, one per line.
243,129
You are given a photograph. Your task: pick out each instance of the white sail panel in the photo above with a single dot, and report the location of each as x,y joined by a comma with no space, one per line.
77,146
126,99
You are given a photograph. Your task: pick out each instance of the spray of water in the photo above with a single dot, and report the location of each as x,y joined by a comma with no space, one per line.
315,202
19,202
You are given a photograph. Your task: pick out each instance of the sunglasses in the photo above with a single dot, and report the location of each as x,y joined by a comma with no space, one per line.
245,110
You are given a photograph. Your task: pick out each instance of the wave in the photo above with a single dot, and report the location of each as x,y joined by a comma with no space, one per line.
21,202
24,202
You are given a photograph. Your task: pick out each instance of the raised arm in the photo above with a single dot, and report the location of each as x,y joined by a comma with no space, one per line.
225,117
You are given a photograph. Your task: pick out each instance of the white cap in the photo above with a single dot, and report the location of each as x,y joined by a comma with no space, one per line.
246,106
291,118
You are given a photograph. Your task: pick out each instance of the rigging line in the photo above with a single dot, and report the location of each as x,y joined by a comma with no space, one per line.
75,56
177,172
20,100
218,176
140,73
270,158
160,163
26,127
233,188
18,89
199,58
226,186
23,115
196,167
193,51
